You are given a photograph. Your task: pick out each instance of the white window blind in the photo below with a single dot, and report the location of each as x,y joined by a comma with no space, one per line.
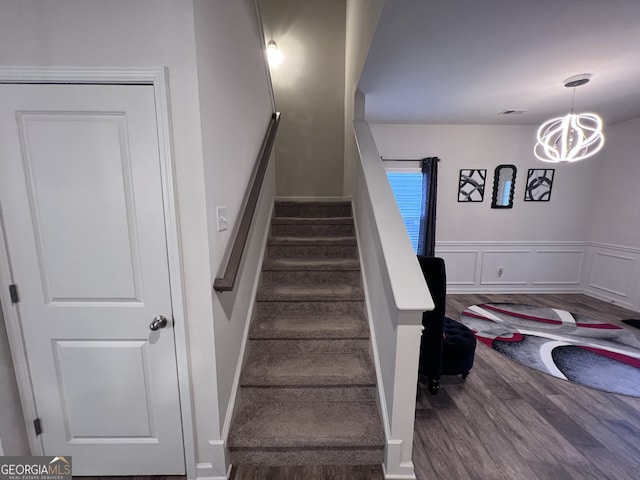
407,188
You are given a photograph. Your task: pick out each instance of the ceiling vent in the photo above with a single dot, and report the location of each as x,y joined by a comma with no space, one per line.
513,111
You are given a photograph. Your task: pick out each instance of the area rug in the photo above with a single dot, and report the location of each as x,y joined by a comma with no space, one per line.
567,345
634,322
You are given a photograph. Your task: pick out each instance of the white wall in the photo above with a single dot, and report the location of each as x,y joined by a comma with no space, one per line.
162,33
539,245
146,33
361,21
613,271
586,239
565,217
309,91
235,106
13,438
616,216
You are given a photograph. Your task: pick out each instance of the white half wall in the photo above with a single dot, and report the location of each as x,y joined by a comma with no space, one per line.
397,294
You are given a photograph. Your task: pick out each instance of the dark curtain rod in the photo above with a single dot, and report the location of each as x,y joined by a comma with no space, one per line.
406,159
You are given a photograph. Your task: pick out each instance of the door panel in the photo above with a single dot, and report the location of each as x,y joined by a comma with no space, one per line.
81,198
125,410
80,231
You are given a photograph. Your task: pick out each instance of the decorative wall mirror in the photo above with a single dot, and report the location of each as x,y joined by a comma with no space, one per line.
504,183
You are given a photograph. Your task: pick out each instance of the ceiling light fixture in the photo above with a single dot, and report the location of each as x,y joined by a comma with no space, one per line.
572,137
274,55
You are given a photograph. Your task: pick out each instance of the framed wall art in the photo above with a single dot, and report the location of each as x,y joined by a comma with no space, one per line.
471,186
539,183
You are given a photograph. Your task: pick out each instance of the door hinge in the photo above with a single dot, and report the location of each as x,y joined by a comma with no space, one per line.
13,291
37,426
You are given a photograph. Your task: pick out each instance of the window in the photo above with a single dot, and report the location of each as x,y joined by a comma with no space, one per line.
407,188
414,184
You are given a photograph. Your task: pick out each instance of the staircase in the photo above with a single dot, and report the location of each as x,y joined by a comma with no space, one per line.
308,387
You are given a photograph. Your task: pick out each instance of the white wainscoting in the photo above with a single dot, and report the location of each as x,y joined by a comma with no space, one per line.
612,273
513,267
607,272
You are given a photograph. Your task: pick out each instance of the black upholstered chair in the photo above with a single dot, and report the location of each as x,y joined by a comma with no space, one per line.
430,368
447,346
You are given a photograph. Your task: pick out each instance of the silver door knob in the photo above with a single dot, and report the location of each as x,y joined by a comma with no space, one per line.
159,321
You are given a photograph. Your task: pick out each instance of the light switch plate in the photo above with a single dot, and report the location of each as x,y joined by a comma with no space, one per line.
222,219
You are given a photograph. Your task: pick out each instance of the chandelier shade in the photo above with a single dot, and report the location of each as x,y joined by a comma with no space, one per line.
570,138
573,137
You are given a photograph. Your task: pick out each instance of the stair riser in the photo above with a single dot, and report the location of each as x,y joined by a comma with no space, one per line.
312,241
274,277
266,295
295,456
308,394
303,346
293,230
315,251
310,308
313,210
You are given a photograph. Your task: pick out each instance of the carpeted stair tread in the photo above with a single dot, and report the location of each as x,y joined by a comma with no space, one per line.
303,293
298,425
311,264
309,394
309,308
317,369
309,326
308,390
315,240
312,221
306,346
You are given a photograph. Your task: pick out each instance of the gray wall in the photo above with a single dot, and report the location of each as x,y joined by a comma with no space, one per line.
232,78
616,216
361,22
309,91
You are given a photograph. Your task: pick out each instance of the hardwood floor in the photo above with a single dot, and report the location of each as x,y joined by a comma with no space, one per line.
507,421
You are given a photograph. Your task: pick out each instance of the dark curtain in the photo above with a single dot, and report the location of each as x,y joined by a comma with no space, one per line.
427,234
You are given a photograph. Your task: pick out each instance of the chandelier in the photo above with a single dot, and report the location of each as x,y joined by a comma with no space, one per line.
572,137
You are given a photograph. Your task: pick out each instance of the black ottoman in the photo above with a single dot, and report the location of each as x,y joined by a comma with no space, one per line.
458,348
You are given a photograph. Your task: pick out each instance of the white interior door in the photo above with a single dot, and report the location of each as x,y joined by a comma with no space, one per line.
81,199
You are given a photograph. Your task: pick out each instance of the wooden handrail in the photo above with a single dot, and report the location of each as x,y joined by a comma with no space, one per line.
228,280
